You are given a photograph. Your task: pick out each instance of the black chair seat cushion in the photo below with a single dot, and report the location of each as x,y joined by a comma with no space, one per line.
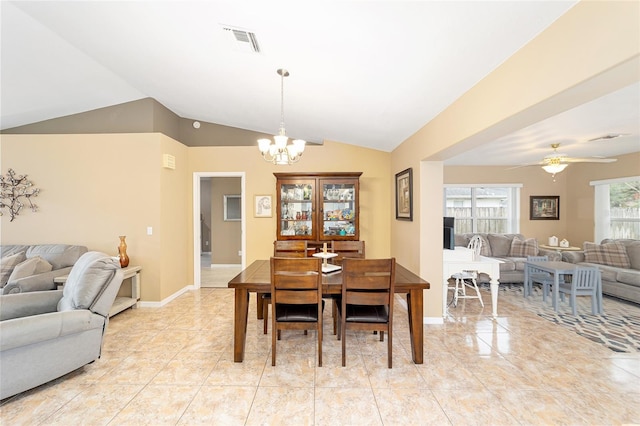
366,313
297,313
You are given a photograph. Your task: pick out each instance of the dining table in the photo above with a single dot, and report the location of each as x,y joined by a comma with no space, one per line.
557,270
256,278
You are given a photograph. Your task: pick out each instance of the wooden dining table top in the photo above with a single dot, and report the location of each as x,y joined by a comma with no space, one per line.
257,277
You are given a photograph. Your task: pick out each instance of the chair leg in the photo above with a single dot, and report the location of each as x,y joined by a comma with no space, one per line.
319,343
273,346
382,336
389,348
343,330
475,286
265,315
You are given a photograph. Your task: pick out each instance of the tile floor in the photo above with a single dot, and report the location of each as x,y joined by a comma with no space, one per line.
174,365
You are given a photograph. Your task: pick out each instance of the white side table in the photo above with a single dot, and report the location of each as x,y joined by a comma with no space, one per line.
122,302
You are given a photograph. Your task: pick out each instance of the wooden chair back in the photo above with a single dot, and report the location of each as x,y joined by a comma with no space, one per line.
296,298
367,298
290,248
350,249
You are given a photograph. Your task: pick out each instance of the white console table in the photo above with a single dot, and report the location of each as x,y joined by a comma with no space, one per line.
122,302
462,259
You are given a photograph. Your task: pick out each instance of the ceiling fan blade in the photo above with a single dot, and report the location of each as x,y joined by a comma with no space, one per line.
589,160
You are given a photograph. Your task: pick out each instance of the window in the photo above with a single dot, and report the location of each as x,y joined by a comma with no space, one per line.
617,208
232,210
483,208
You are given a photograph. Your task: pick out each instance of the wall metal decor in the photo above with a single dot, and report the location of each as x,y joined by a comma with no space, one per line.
13,190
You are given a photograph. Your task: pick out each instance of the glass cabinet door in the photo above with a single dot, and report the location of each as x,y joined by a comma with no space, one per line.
297,209
338,209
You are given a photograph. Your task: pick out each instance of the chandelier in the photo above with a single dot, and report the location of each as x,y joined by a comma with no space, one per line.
554,166
280,151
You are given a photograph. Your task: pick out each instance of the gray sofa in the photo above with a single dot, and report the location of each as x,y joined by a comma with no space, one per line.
28,268
619,264
512,254
47,334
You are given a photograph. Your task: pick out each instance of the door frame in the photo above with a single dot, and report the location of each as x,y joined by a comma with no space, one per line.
196,219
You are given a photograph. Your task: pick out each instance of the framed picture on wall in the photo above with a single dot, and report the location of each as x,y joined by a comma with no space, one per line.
262,206
404,195
544,207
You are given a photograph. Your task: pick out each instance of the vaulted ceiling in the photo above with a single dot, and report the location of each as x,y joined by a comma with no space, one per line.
368,73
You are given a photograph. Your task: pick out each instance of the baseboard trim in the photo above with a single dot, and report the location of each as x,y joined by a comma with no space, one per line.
163,302
433,320
223,265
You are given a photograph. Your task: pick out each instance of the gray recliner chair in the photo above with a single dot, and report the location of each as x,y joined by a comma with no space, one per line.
47,334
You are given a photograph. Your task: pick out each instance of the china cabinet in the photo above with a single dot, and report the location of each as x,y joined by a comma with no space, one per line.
318,207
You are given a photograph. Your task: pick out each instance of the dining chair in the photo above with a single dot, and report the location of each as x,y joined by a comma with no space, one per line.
295,248
367,299
343,249
351,249
584,282
296,295
538,276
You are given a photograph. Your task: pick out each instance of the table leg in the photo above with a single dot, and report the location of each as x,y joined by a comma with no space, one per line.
259,306
525,290
494,285
556,292
416,327
241,312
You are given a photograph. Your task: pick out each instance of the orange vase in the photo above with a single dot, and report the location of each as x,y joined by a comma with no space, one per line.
122,252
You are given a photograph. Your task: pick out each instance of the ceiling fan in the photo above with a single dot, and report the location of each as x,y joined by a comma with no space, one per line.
557,162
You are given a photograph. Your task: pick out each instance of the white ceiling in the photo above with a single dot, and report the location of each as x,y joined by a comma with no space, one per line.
368,73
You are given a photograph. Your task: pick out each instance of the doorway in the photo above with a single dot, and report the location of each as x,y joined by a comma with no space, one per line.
218,226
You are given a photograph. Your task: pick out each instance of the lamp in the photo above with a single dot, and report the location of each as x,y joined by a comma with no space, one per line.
280,152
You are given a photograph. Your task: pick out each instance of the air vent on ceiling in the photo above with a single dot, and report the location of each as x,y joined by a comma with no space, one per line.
608,136
242,40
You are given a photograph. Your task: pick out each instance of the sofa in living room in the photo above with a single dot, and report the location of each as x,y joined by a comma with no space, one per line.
619,263
511,249
26,268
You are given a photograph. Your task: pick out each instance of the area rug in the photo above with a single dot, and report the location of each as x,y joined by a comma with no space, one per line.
618,328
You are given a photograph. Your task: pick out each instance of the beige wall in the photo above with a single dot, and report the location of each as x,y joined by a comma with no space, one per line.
225,235
580,195
591,50
330,157
576,222
97,187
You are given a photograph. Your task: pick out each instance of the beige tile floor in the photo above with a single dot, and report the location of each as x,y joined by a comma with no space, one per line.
174,365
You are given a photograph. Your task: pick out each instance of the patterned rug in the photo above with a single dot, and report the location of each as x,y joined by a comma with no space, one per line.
618,328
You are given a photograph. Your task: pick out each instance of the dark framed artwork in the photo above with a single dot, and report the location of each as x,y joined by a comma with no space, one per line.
544,207
404,195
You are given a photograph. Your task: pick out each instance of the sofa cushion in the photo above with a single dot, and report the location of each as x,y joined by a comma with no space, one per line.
633,251
507,264
500,244
520,248
7,264
629,276
32,266
611,254
87,280
58,255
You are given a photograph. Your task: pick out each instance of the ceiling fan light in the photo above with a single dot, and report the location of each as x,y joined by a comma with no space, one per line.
554,168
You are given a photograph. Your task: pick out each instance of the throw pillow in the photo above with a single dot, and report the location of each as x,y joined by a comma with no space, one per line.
500,244
520,248
611,254
33,266
7,264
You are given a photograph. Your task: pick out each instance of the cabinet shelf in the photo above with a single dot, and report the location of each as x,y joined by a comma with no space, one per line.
329,200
